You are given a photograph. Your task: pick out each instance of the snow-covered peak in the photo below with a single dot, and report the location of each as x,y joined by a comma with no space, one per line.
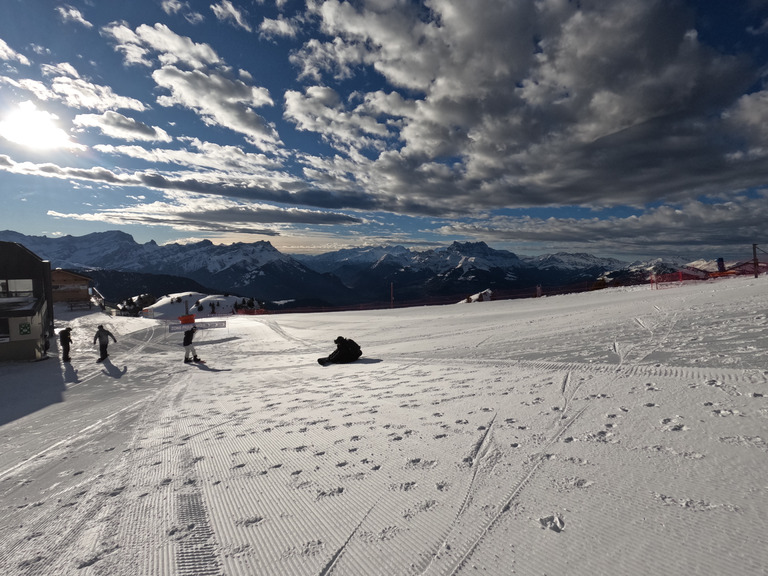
218,257
573,261
362,256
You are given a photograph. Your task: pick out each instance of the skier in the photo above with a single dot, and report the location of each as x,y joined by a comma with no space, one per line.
103,335
188,347
65,338
347,350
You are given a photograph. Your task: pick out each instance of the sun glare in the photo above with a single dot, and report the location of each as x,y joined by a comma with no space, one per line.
33,128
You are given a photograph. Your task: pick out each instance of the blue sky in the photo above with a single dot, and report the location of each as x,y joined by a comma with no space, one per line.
620,128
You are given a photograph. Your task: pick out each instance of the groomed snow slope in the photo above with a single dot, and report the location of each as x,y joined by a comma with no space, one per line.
615,432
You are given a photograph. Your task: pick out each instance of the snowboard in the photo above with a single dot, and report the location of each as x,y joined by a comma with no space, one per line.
323,361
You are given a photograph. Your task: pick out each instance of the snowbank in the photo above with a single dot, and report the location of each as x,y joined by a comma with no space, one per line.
612,432
172,306
484,296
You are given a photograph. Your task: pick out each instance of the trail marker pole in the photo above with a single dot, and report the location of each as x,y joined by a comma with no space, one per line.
754,258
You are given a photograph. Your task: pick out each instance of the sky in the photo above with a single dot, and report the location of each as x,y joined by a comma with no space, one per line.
619,128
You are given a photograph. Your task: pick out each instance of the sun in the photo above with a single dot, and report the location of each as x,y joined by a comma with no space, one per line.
36,129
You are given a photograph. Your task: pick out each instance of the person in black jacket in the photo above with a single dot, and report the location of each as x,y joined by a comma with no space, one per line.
189,349
65,338
347,350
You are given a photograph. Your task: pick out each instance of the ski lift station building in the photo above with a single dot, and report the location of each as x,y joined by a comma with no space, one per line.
26,303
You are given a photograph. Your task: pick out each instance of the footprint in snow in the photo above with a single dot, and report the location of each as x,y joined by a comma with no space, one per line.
251,521
554,523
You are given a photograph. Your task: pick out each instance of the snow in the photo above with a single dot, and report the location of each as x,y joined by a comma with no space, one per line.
484,296
172,306
622,431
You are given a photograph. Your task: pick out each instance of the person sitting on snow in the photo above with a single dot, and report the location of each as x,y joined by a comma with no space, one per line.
347,350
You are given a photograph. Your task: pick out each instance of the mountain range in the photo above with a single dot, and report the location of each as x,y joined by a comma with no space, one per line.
353,276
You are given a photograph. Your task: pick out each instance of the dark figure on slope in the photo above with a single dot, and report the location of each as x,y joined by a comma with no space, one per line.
347,350
189,349
65,338
103,335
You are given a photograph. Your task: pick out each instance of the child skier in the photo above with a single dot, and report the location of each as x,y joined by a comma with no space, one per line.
189,349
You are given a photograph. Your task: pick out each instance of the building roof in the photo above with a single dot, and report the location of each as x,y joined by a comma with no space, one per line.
61,271
17,261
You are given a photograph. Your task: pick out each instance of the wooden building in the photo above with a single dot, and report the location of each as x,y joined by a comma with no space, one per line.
71,288
26,303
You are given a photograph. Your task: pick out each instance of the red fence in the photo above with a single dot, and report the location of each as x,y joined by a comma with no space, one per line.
743,269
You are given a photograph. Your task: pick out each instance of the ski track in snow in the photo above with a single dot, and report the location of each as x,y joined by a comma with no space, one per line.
528,437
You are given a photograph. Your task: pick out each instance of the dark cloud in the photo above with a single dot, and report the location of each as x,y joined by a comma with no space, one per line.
449,110
273,216
692,226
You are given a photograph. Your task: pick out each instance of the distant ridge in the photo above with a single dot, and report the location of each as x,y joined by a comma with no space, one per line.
346,277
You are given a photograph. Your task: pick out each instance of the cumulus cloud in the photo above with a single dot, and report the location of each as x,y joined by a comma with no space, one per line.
115,125
219,100
34,87
173,6
79,93
749,116
320,109
279,27
140,45
60,69
196,78
500,104
228,12
178,7
67,86
8,53
337,57
70,14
